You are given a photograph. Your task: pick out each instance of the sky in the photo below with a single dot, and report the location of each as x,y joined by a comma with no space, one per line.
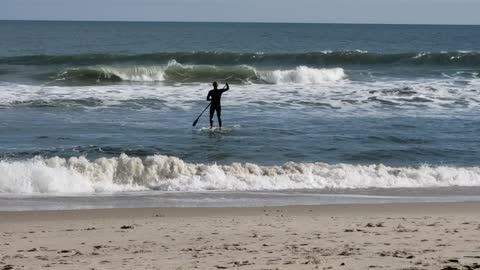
310,11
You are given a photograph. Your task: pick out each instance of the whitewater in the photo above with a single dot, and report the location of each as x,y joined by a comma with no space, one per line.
303,88
77,175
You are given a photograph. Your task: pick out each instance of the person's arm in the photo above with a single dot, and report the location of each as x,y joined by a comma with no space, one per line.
226,88
209,96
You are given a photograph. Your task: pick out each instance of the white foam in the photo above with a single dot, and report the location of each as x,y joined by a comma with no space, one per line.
349,96
302,75
420,55
79,175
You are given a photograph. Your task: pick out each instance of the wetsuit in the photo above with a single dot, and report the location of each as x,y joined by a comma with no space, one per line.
215,95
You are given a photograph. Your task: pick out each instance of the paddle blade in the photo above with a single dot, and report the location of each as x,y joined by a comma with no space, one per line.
195,122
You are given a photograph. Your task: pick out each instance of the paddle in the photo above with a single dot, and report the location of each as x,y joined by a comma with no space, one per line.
196,120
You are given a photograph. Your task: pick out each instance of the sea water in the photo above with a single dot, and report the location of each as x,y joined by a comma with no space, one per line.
99,114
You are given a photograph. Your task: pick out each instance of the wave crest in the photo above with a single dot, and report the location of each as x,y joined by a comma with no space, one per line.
303,75
158,172
175,72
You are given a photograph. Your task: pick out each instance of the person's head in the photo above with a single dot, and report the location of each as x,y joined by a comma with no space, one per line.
215,85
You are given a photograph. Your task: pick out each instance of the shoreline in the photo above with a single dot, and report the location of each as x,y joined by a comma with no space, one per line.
148,199
413,208
392,236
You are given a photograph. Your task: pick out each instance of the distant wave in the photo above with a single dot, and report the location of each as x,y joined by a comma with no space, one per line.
461,58
79,175
177,73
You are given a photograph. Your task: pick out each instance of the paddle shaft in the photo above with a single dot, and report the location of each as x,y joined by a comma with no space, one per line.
196,120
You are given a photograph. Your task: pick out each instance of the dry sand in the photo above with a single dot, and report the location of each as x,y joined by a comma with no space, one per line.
392,236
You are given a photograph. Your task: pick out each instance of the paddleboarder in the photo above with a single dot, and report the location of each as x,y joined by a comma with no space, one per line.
214,96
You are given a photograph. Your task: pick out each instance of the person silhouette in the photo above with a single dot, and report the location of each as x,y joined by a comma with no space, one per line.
214,96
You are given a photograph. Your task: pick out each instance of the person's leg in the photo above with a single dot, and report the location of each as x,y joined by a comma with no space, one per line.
212,110
219,114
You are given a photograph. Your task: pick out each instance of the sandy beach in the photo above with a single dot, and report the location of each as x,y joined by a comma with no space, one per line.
390,236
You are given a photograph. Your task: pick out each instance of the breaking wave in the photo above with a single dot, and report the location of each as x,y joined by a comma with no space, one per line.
175,72
79,175
301,74
462,58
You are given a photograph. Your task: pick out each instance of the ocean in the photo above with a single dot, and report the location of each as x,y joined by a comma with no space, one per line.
99,114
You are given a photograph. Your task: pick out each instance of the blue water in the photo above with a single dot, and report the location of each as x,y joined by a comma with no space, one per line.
60,38
339,102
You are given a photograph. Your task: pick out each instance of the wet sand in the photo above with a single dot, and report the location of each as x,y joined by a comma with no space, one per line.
390,236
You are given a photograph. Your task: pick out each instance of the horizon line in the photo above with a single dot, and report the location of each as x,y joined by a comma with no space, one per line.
238,22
